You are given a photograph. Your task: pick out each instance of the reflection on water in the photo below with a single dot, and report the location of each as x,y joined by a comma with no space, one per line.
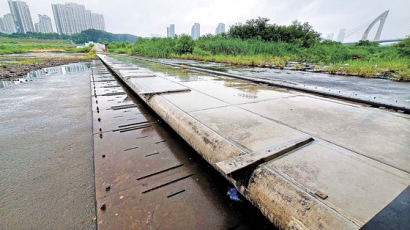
37,74
165,71
240,88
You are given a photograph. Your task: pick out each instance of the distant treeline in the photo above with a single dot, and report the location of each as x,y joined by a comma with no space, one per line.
85,36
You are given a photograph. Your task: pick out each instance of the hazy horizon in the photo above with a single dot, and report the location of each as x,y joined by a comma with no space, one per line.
147,18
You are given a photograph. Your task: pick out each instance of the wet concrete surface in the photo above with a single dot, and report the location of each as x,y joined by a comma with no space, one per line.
147,177
349,170
46,155
382,91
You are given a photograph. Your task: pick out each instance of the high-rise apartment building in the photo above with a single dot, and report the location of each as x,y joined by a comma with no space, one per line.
44,24
341,35
8,24
1,26
220,29
171,31
97,21
21,16
72,18
196,31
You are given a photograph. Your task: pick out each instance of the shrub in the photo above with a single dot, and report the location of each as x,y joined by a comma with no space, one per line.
184,45
403,47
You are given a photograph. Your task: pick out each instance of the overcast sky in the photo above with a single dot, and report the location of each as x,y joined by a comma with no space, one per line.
147,17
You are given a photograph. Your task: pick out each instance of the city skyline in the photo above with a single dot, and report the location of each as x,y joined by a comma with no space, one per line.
69,18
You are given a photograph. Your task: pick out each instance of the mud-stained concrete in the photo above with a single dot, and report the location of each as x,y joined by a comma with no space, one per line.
46,155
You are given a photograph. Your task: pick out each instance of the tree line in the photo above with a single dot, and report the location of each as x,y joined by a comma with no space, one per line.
85,36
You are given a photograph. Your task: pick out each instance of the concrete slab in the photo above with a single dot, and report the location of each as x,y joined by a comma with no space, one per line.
237,91
371,132
194,101
351,182
147,178
136,73
246,129
156,85
350,146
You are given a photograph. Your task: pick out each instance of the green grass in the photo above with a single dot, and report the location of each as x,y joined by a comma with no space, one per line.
365,60
23,45
85,57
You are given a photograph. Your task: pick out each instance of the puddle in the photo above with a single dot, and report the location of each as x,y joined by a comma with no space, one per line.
45,72
381,91
238,90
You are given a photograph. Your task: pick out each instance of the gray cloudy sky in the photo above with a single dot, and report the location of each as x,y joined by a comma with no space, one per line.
146,17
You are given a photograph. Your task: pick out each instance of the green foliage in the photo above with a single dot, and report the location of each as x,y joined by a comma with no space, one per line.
81,50
297,33
20,45
184,45
366,43
403,47
101,37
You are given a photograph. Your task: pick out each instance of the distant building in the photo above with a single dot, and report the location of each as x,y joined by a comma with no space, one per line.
72,18
44,24
1,26
171,31
341,35
155,35
88,19
196,31
8,24
97,21
21,16
330,36
220,29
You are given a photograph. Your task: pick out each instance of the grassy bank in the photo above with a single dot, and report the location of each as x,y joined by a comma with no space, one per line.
30,45
363,59
18,45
